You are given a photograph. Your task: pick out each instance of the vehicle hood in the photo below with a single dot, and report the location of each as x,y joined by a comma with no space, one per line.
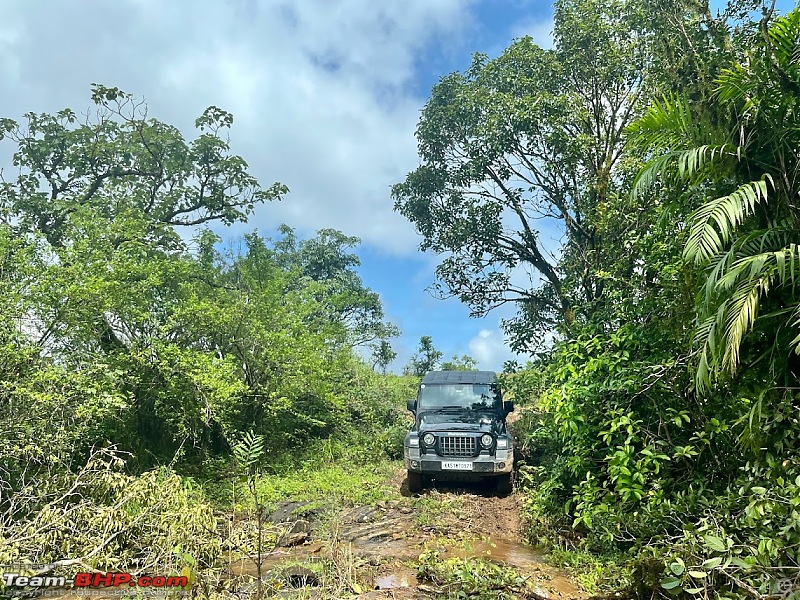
468,421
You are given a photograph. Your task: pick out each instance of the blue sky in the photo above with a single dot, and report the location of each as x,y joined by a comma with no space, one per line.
326,96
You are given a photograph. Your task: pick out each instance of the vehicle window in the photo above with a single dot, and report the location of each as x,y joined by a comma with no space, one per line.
459,395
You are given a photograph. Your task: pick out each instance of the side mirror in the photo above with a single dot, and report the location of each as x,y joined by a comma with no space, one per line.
411,405
509,406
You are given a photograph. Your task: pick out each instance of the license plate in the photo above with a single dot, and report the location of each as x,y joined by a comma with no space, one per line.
457,465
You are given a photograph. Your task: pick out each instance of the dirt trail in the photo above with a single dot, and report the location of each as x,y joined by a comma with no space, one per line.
455,520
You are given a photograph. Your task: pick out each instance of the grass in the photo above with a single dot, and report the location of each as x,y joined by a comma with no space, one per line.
336,484
594,573
432,508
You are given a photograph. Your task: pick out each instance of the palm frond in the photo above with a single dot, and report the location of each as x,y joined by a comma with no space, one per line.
651,172
741,315
735,83
713,224
706,335
784,33
666,124
693,163
795,343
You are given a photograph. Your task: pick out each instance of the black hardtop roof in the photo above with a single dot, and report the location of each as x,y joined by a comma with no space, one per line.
475,377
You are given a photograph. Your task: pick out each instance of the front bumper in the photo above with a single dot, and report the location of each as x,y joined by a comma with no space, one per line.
482,465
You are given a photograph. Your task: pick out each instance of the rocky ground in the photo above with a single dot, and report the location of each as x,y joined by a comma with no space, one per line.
376,549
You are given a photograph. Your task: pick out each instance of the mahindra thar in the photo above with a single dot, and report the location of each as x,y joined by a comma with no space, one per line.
459,431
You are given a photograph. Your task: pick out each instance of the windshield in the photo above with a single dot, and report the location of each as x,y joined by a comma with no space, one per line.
458,396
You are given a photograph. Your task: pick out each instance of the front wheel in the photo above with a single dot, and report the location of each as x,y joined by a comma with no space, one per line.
415,482
503,484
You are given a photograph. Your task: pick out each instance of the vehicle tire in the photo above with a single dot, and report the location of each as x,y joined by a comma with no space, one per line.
503,484
416,482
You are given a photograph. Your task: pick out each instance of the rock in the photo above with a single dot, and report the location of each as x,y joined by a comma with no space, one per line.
300,526
297,577
290,511
295,539
361,514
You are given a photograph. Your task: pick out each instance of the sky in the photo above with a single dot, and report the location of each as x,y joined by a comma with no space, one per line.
326,95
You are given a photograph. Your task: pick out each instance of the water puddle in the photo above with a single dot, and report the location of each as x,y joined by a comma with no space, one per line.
248,566
393,581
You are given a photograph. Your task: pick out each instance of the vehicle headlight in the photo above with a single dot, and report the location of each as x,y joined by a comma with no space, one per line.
486,440
428,439
502,443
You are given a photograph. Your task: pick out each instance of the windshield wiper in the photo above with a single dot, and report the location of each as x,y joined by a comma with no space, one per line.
445,408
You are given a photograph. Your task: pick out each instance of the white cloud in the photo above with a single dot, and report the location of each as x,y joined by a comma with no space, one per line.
540,31
321,91
490,348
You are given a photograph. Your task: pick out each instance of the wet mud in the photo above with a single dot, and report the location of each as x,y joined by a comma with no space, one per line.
456,520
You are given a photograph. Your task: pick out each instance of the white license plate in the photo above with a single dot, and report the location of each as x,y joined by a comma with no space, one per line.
457,465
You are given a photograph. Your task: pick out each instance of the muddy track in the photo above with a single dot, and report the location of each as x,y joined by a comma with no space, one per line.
387,539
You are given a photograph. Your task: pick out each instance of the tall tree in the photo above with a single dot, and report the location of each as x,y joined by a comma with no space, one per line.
327,259
529,141
118,162
459,363
746,231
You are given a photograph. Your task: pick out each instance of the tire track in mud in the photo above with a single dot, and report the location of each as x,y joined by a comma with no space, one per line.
387,539
457,520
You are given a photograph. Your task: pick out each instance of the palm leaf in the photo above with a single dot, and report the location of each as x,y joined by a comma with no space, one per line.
713,224
740,316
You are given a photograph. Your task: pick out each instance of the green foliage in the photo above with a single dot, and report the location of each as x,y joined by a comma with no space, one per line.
105,519
382,355
532,134
426,358
337,483
471,577
643,437
123,347
462,363
747,235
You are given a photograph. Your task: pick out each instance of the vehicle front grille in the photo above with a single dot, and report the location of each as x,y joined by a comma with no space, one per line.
457,445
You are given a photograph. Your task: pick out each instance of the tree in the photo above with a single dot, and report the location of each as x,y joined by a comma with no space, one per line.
120,162
464,363
529,139
326,260
746,231
382,355
426,359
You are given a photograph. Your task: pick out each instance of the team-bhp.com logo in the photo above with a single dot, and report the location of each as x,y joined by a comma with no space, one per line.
17,584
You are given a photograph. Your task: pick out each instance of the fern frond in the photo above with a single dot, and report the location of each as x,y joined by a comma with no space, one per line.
249,451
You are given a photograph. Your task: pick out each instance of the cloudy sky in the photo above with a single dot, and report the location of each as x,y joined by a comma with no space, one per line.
325,93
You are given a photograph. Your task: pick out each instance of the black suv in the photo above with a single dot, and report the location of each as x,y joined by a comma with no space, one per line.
459,432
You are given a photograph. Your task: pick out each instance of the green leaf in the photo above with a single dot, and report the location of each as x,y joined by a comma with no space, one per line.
698,574
670,583
677,567
715,543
